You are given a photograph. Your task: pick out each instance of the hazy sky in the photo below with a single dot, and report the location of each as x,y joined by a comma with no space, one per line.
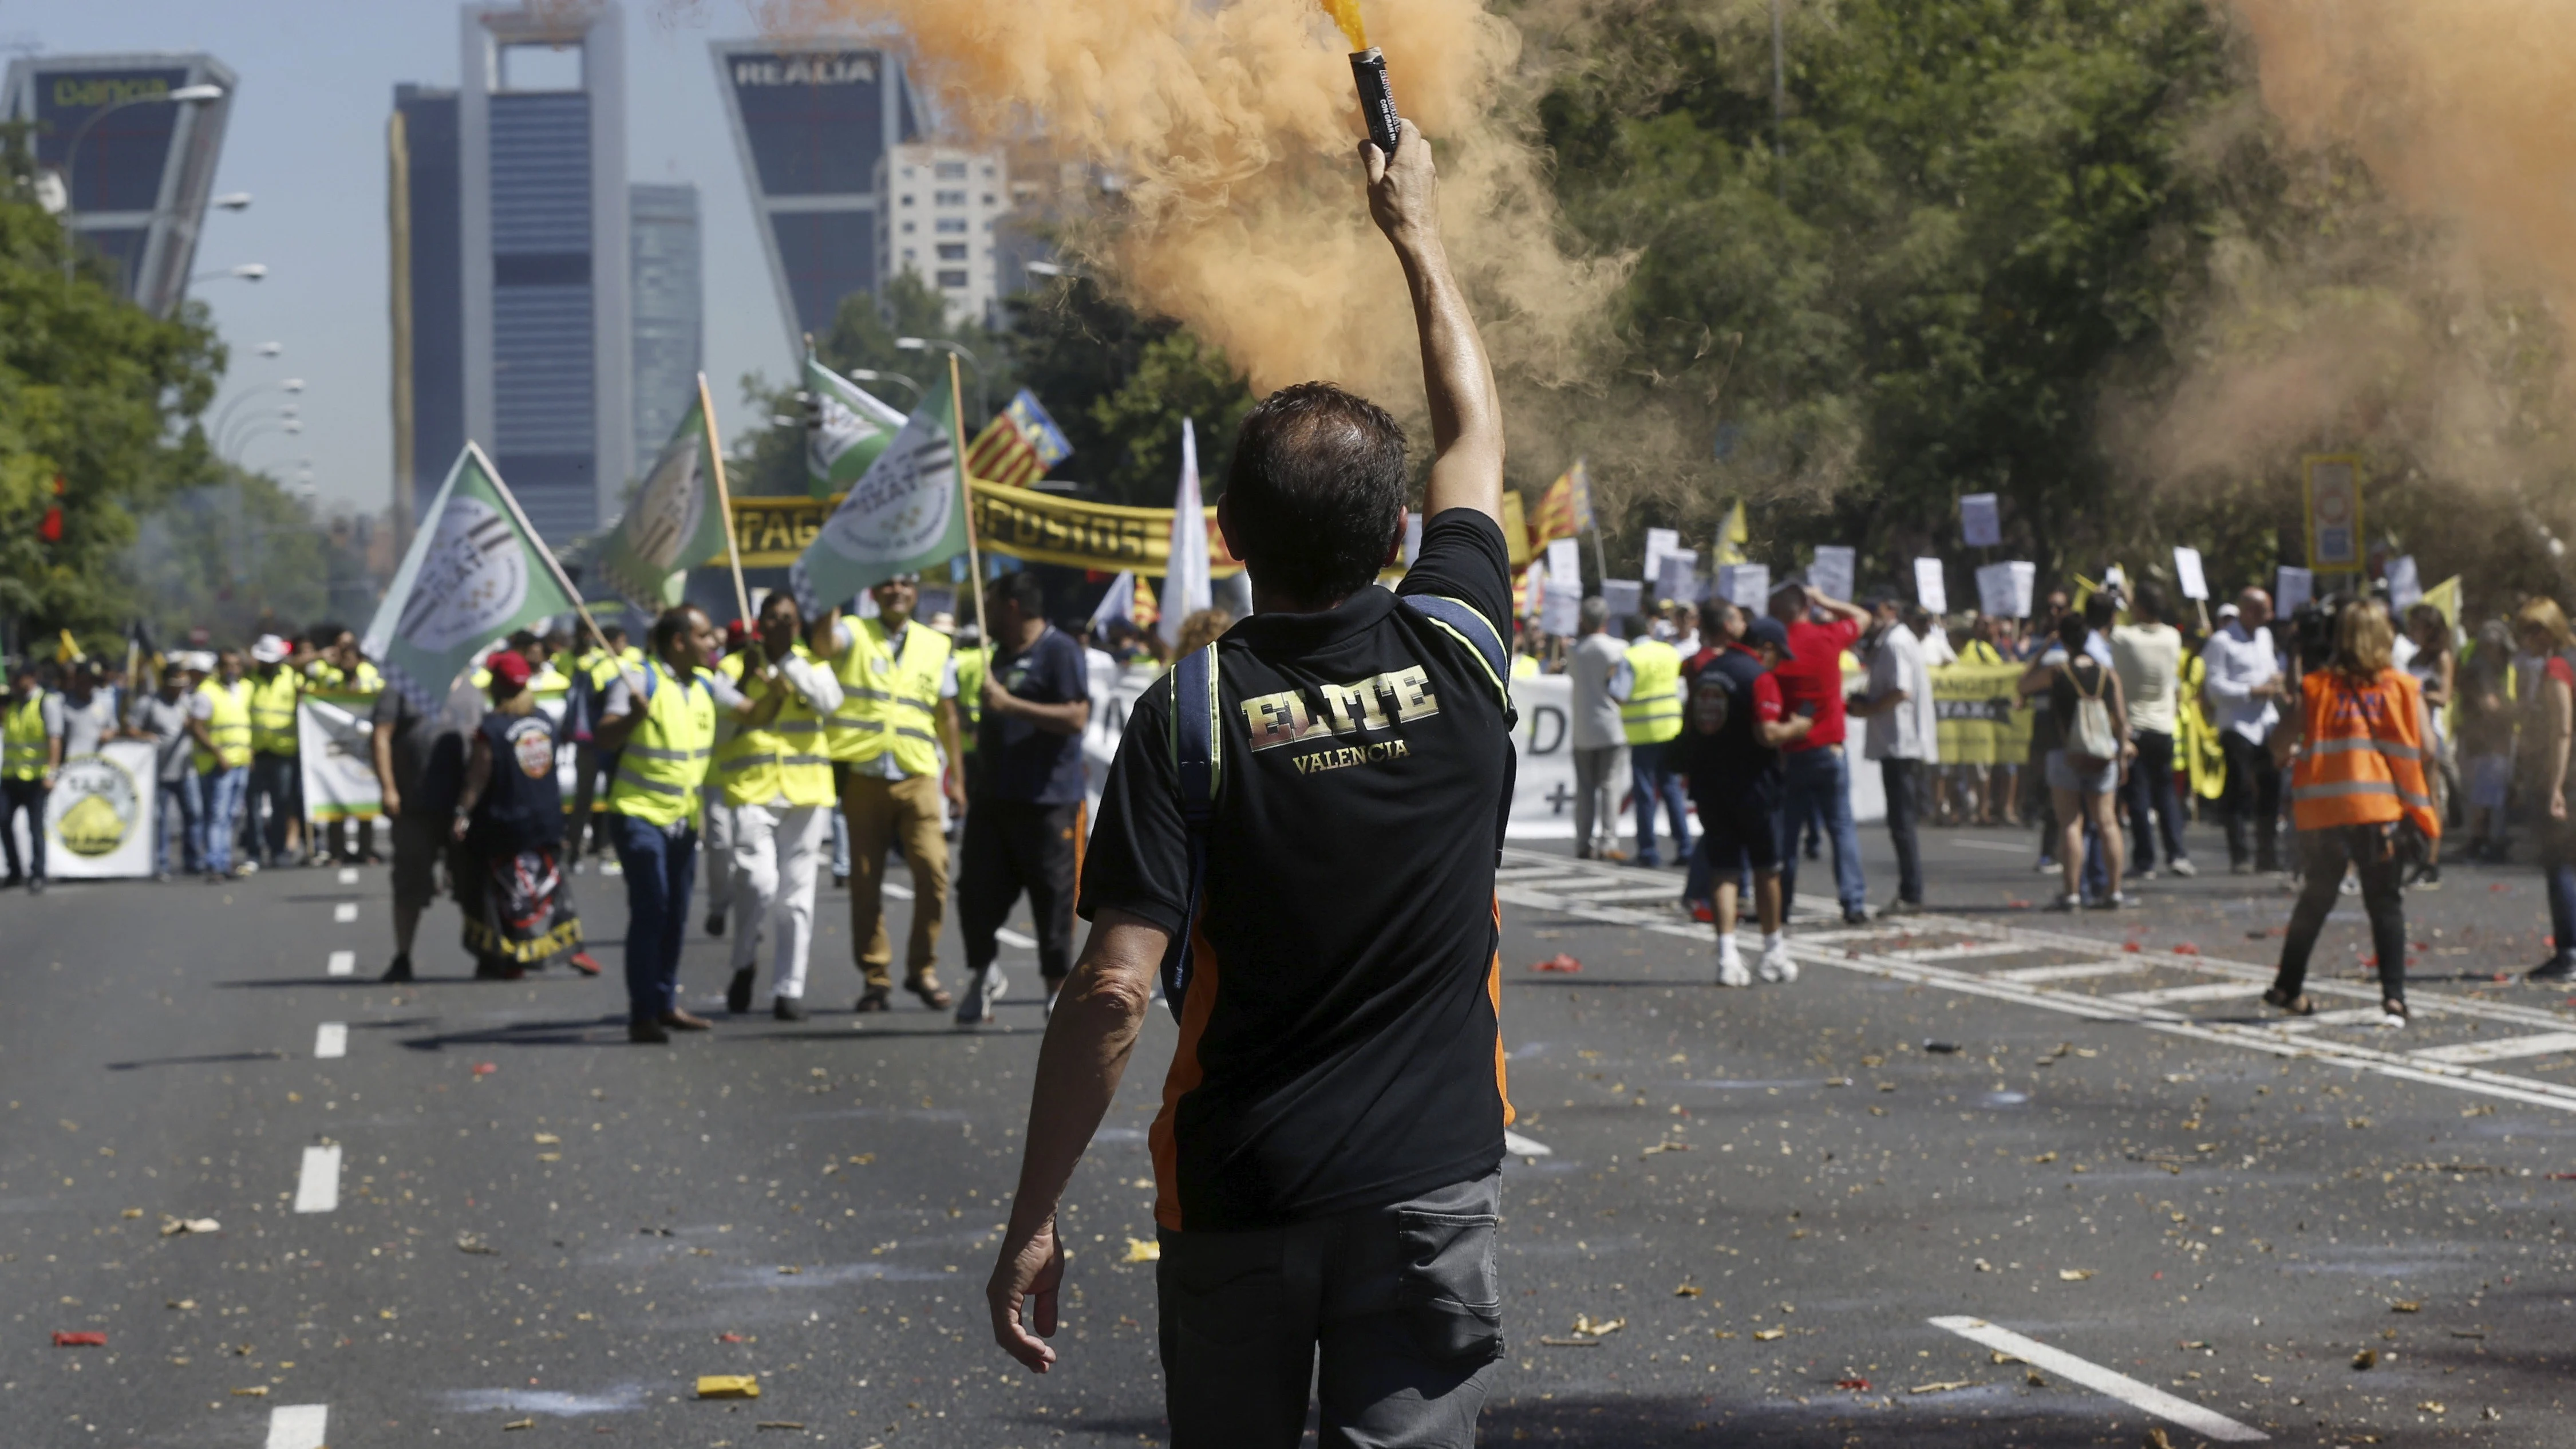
307,140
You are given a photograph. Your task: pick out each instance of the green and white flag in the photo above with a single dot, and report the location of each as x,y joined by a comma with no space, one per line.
845,430
475,572
906,513
672,524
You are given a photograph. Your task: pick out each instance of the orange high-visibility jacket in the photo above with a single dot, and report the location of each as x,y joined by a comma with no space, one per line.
2362,762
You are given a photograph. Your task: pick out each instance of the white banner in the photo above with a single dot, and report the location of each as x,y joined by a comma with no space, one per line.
99,815
1543,787
334,743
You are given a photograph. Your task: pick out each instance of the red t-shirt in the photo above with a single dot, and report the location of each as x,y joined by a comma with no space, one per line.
1816,676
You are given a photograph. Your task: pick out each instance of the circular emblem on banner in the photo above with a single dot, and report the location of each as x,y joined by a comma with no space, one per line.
94,805
472,581
536,751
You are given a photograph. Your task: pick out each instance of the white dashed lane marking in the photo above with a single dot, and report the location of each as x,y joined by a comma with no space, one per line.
317,1187
2103,1381
331,1039
343,963
345,912
348,875
298,1426
898,891
1009,937
1519,1146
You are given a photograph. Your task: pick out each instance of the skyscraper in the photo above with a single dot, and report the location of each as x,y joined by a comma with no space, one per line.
137,167
944,207
669,311
427,292
543,219
813,123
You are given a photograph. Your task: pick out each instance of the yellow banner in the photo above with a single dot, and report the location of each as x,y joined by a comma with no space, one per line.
1982,722
1031,526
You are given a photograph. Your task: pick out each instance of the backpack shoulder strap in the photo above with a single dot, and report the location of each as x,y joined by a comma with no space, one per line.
1460,621
1197,746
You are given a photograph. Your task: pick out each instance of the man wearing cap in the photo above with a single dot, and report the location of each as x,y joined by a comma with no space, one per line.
276,777
1730,752
898,714
1819,781
1903,738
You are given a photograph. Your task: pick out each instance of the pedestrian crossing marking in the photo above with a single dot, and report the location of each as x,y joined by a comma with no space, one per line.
317,1186
1967,949
331,1039
345,912
2183,995
343,963
2075,971
348,875
2546,1043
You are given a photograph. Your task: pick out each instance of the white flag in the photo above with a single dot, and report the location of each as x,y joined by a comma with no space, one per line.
1118,603
1186,588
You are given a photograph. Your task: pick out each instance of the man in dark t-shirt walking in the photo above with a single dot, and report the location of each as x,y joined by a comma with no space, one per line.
1730,753
1327,1160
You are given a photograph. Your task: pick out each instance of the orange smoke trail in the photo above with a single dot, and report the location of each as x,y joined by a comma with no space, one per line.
1232,127
1346,14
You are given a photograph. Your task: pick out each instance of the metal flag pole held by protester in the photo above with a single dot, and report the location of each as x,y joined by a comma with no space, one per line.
966,499
724,500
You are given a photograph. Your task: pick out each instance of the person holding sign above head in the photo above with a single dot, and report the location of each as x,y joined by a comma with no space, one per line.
1819,780
661,721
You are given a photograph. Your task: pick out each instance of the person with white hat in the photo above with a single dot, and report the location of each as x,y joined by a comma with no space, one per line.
276,774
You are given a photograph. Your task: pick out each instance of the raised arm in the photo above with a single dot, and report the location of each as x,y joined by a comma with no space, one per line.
1466,416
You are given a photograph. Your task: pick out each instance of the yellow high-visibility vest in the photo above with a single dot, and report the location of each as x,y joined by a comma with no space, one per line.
786,757
25,734
272,710
228,726
665,760
889,703
1653,713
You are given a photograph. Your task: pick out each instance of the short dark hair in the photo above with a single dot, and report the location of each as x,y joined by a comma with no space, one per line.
2073,632
672,621
1315,490
1020,587
2101,608
325,634
2149,602
787,597
613,634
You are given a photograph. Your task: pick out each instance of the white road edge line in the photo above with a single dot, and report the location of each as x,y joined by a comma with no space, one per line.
331,1039
1009,937
345,912
343,963
298,1426
2103,1381
317,1187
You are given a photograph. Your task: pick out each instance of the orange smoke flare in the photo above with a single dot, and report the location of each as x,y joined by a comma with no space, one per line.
1346,14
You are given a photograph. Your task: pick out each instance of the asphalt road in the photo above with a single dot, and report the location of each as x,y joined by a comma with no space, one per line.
2096,1163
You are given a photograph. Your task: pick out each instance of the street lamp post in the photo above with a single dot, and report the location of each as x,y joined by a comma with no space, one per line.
183,96
923,344
247,271
256,428
861,374
290,386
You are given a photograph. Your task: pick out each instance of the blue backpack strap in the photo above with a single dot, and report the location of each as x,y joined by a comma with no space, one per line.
1459,620
1198,771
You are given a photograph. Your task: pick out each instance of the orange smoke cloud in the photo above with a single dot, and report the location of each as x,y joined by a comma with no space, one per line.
2459,109
1232,126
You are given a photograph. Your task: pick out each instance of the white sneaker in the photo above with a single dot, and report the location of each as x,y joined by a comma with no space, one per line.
2069,902
1776,965
1731,972
975,1003
2184,868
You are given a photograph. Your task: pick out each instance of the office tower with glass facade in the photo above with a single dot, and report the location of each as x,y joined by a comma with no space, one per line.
668,289
812,122
132,168
427,292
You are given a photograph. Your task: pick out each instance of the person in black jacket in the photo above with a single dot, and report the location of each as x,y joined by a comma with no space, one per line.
510,819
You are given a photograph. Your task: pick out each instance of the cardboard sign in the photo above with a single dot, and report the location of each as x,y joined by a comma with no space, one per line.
2005,589
1931,588
2405,589
1659,542
2195,584
1747,586
1674,580
1830,574
1981,523
1623,596
2297,587
1564,567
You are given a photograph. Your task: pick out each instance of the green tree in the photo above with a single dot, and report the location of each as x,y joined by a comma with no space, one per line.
98,402
1118,385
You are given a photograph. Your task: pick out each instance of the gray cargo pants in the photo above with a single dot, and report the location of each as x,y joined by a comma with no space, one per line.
1404,1301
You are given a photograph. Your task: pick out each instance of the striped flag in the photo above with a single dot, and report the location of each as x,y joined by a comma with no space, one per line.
1564,510
1018,446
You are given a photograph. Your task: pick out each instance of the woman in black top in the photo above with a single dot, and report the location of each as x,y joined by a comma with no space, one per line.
509,818
2082,781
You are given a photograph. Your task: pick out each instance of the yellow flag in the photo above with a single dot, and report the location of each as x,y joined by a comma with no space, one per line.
1732,535
2445,596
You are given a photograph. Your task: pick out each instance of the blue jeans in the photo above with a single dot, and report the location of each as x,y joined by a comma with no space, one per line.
1650,771
1820,785
661,867
840,844
217,795
2558,874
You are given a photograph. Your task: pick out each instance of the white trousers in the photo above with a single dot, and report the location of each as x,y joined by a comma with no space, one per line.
716,840
775,851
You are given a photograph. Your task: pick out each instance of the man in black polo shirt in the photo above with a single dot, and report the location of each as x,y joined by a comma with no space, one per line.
1328,1156
1024,815
1731,739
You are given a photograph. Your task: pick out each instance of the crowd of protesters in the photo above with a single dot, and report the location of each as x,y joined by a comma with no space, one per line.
2141,721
